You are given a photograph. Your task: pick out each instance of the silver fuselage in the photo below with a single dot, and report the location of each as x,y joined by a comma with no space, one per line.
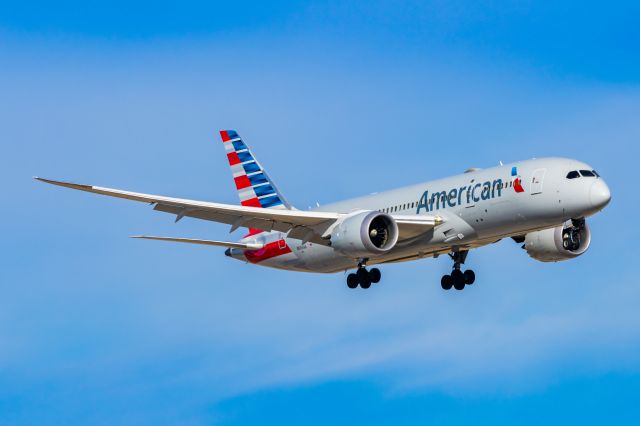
478,208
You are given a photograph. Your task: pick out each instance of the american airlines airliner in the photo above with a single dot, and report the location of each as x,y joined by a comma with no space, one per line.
541,203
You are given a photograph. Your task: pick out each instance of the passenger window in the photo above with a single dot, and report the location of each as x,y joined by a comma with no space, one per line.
572,175
587,173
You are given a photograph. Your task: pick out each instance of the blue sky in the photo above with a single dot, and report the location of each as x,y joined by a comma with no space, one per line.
337,99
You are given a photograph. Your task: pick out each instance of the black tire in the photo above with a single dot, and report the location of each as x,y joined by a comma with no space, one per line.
352,281
363,278
446,282
458,279
469,277
375,275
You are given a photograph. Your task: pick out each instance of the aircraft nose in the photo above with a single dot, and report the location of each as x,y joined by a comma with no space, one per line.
599,194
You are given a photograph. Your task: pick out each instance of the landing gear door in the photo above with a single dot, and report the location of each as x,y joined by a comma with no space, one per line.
537,180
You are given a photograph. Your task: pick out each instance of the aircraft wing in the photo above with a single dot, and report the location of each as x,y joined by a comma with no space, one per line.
304,225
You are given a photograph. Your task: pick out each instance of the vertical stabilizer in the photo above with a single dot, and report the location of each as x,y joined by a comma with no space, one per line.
254,186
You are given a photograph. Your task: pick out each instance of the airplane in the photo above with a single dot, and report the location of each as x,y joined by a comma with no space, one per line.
540,203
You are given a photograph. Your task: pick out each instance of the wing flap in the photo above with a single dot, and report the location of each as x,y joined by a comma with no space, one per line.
413,226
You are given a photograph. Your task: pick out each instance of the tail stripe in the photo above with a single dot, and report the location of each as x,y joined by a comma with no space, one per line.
242,182
251,167
264,190
257,179
244,156
252,202
238,145
254,187
233,158
227,135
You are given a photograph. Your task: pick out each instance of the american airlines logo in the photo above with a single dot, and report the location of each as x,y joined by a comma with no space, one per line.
468,194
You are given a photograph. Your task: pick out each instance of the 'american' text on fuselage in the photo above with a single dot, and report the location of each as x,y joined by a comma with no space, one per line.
459,196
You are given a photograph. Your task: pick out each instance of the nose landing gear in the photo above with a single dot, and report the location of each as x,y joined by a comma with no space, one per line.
363,277
458,279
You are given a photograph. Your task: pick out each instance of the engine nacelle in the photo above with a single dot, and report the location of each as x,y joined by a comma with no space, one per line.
365,234
560,243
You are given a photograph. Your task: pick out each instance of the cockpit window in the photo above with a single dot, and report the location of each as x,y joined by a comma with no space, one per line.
587,173
573,174
595,173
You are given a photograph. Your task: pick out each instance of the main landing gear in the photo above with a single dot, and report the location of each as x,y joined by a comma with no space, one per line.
458,279
363,277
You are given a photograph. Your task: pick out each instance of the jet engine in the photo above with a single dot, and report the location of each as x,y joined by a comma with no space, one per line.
564,242
365,234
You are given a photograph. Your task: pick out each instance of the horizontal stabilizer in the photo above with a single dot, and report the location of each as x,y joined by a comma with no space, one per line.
241,246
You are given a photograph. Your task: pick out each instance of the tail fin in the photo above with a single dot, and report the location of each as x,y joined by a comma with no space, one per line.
254,186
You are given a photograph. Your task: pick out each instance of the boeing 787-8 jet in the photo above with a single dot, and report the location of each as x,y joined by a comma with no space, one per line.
540,203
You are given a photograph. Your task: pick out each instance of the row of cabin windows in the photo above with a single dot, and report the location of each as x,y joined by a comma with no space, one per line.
394,209
584,173
572,175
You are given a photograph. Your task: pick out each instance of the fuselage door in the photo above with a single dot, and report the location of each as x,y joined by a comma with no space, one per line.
537,181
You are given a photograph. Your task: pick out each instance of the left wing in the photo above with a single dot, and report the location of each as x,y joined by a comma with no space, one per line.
304,225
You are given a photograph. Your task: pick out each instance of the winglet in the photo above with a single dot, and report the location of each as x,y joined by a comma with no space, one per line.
65,184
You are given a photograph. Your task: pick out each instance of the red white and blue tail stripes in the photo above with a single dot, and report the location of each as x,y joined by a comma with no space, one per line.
255,189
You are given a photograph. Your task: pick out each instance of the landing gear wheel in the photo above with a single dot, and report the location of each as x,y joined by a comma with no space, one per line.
446,282
352,281
469,277
458,279
363,278
374,275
